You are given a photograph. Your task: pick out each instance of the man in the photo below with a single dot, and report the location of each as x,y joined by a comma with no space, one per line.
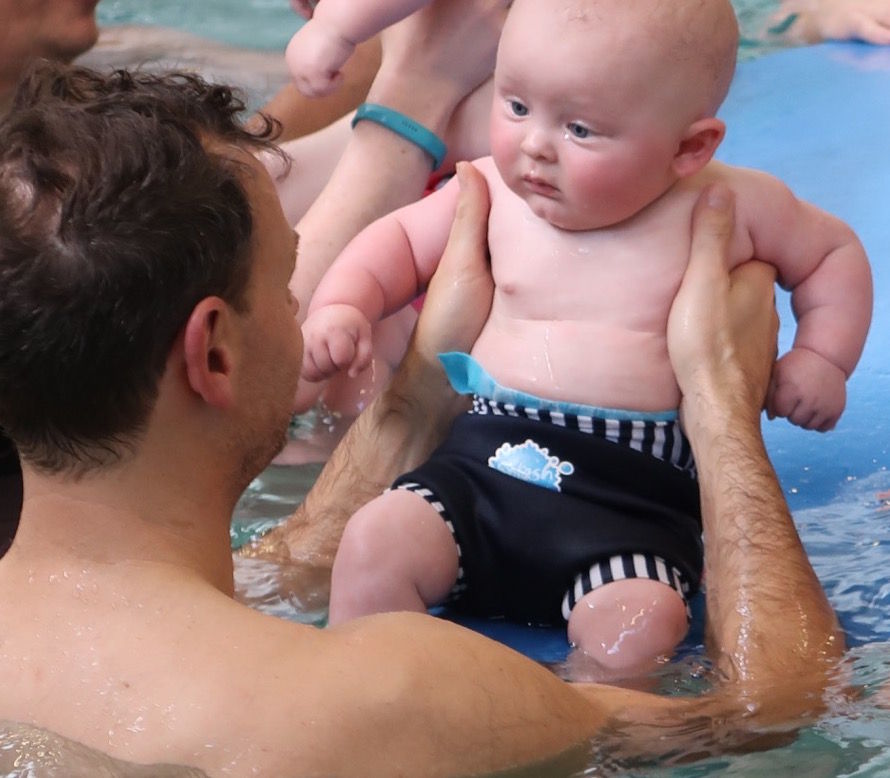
148,354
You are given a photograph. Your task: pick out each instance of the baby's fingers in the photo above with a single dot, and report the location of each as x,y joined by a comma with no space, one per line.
784,400
314,365
319,86
341,349
364,348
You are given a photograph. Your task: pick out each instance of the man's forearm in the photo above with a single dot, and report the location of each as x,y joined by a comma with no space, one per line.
768,615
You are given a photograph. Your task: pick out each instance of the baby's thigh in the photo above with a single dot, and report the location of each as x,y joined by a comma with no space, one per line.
399,536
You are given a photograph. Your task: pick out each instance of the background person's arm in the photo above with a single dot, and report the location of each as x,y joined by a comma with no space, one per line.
431,61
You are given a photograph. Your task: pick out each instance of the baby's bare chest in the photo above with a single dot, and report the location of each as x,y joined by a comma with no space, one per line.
626,275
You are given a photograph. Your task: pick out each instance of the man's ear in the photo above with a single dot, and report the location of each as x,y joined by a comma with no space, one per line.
209,351
698,145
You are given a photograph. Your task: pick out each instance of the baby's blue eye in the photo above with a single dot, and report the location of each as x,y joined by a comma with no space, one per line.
578,130
518,108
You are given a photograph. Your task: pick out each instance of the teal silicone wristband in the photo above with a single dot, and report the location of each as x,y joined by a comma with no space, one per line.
403,125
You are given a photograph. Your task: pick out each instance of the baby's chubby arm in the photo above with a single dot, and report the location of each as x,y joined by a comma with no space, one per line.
381,270
320,48
820,259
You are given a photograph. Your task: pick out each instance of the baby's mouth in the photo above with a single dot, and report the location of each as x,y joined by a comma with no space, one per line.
538,185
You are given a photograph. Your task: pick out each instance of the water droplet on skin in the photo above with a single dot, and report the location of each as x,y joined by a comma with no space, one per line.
137,726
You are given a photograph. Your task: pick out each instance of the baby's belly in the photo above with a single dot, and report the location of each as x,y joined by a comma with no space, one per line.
581,363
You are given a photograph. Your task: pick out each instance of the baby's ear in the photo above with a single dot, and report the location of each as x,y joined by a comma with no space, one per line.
697,146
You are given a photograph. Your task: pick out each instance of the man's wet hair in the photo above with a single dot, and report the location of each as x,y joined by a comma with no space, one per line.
120,210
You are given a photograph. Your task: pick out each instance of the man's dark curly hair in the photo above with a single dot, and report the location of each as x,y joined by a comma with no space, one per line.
115,221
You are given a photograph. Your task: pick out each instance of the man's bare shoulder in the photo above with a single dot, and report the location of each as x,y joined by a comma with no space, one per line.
403,693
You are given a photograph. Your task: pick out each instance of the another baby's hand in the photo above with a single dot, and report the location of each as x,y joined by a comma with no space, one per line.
808,390
314,57
336,337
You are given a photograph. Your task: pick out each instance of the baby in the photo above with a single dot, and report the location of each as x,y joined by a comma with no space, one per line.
569,490
334,28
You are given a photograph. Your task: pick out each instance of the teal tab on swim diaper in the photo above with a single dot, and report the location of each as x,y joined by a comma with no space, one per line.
467,376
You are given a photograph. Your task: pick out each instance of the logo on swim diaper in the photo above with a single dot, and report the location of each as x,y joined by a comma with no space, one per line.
531,463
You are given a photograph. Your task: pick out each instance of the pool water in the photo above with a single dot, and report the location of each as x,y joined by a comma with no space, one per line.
268,24
259,24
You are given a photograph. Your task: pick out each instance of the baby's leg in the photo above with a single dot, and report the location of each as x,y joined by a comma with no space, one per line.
396,554
625,626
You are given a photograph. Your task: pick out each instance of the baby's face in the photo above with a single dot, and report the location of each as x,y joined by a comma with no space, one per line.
578,128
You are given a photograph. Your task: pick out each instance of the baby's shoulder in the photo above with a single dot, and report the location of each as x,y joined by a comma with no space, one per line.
745,182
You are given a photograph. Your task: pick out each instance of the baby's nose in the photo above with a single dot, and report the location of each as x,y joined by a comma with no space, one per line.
537,144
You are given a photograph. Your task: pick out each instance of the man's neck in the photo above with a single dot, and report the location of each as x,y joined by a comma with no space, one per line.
124,515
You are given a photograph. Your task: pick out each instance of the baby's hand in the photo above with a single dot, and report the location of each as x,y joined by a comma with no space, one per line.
314,57
808,390
336,337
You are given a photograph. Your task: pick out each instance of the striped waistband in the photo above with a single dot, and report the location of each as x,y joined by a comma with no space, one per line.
663,440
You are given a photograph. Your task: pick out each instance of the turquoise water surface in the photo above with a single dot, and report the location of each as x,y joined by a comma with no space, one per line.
259,24
268,24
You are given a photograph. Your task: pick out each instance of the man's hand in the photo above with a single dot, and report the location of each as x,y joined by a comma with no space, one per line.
459,294
722,327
